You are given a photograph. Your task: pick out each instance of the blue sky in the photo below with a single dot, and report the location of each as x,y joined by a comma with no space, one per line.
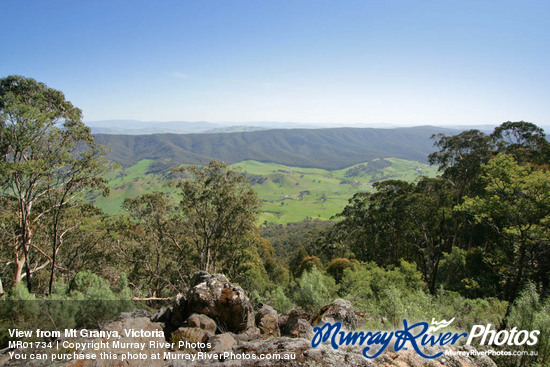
374,62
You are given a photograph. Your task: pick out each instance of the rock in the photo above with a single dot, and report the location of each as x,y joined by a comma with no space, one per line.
267,321
139,324
338,310
199,277
191,339
222,342
296,327
269,327
299,349
252,333
163,315
201,321
178,313
282,320
302,352
226,303
265,310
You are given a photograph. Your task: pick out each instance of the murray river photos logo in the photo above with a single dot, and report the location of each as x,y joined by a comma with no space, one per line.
419,335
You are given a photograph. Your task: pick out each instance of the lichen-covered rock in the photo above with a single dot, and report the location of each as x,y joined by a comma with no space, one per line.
252,333
192,338
202,322
338,310
222,342
135,313
267,321
296,352
296,327
265,310
215,297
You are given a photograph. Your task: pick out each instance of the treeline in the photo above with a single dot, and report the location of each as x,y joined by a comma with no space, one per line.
481,228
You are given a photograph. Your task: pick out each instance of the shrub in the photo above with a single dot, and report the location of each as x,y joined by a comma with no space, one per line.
280,301
89,302
308,263
530,313
314,290
337,266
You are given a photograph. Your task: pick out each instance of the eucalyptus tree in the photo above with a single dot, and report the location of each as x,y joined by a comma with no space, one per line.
516,205
460,158
524,140
220,210
48,157
159,258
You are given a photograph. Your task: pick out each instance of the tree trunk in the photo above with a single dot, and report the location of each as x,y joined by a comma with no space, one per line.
18,273
27,240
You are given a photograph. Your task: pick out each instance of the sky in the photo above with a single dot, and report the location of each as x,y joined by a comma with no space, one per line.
385,62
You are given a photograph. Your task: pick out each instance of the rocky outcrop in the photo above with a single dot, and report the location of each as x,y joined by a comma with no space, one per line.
338,310
214,319
267,321
215,297
300,353
295,326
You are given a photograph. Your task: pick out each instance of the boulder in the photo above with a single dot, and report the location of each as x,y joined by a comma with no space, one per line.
131,322
163,315
338,310
252,333
202,322
135,313
221,343
267,321
214,296
295,326
191,338
265,310
178,314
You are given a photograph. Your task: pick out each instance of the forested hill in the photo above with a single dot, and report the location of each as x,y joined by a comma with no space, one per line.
333,148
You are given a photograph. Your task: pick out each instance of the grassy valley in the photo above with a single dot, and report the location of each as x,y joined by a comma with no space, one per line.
288,193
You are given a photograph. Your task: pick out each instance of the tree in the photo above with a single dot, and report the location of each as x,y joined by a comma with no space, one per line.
516,205
460,158
157,251
523,140
401,221
374,225
48,156
219,210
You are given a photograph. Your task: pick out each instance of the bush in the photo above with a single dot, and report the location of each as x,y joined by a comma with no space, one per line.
278,300
89,302
314,290
337,266
308,263
530,313
389,296
468,273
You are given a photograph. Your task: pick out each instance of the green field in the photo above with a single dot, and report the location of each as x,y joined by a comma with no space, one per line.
289,194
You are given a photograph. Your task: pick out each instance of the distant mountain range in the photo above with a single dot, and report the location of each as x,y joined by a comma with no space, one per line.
333,148
136,127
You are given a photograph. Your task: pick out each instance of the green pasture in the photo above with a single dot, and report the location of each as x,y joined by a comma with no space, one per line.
289,194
